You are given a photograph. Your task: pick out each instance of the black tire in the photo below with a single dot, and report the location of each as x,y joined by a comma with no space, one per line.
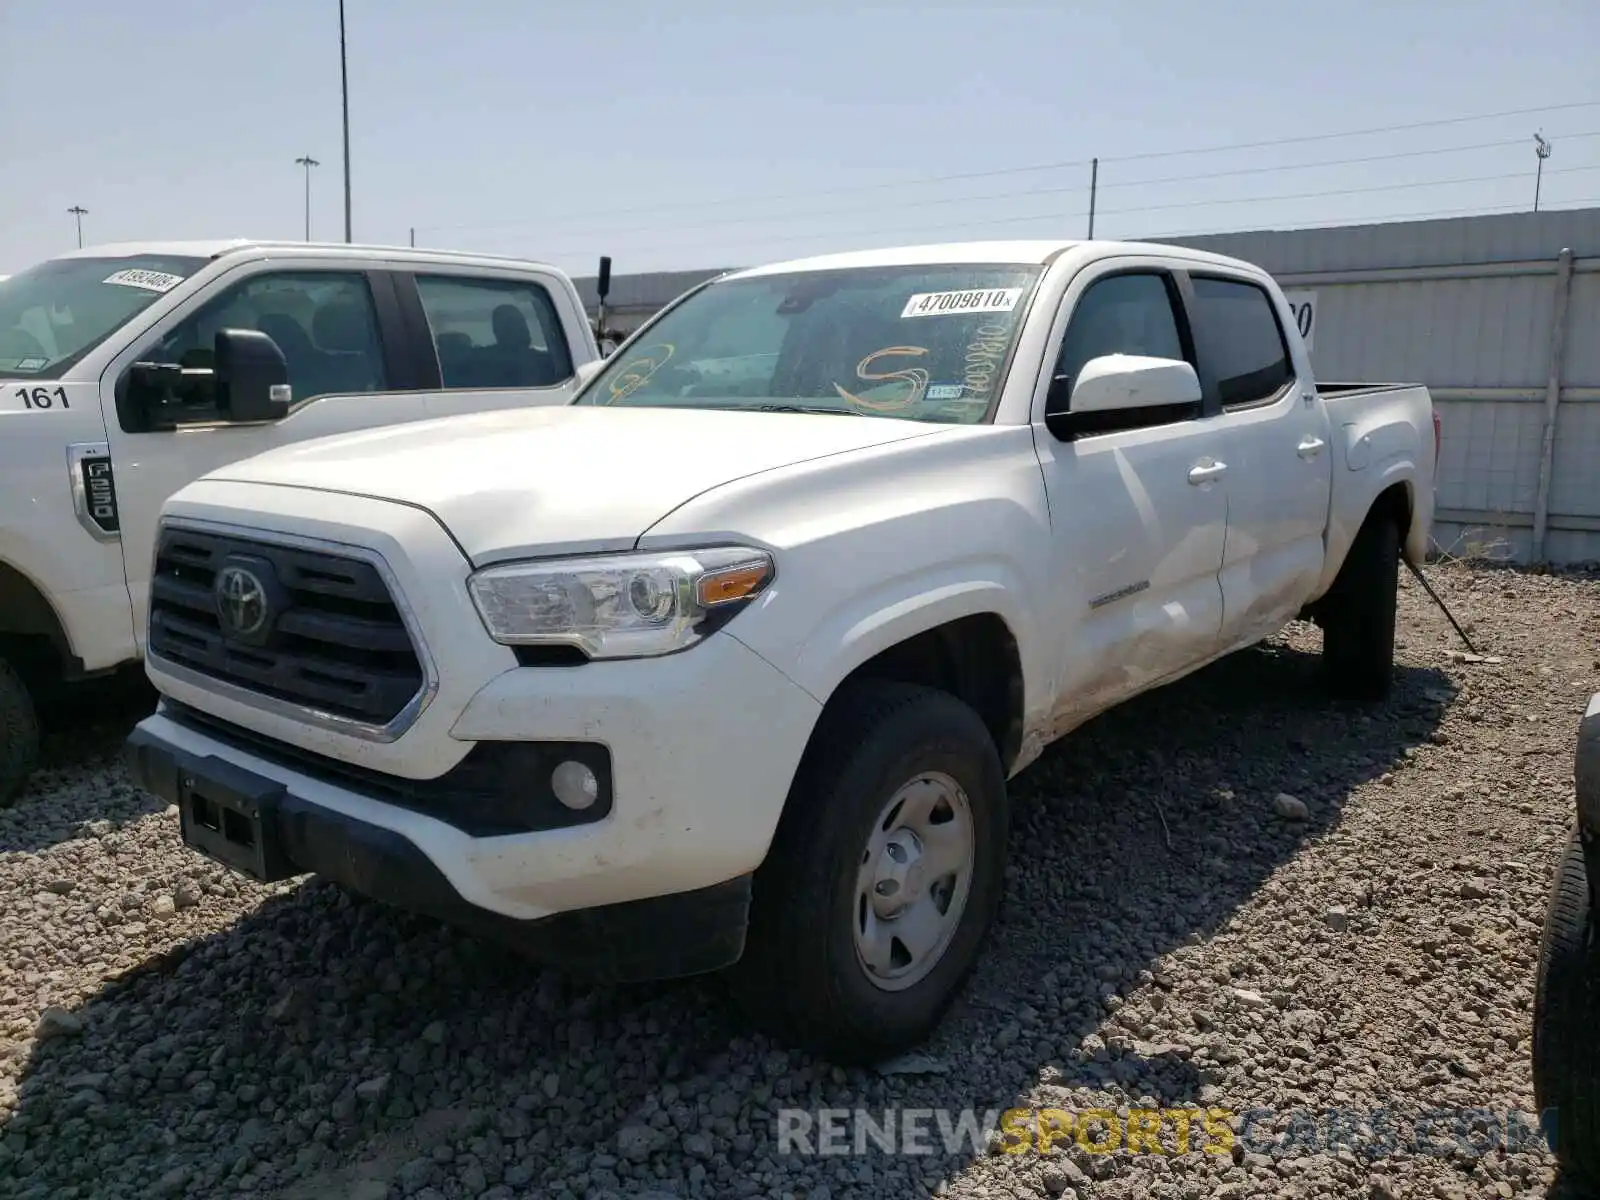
801,979
1566,1023
1358,614
19,735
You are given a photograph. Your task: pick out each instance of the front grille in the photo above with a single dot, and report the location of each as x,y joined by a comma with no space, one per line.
331,637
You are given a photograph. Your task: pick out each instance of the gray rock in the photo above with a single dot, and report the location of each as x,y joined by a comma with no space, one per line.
1290,808
374,1089
58,1023
637,1143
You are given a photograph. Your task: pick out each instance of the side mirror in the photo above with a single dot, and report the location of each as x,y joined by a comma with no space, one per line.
588,371
1155,388
252,376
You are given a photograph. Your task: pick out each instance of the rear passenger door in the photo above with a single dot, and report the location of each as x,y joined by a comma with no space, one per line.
494,340
1277,447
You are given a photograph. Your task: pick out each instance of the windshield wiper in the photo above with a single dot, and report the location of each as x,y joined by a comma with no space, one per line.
799,408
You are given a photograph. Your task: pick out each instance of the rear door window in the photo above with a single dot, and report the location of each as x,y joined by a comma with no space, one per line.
1240,343
494,333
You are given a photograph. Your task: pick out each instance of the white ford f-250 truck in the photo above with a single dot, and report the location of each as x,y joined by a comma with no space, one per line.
127,371
728,662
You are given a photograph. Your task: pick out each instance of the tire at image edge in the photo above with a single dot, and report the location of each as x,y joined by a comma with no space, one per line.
19,734
1566,1021
799,979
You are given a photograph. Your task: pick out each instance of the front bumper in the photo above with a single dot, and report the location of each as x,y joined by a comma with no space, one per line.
269,829
703,746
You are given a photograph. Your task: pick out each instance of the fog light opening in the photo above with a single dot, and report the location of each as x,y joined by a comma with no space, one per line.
575,785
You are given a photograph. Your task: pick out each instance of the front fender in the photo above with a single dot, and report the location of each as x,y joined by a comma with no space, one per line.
1586,770
863,625
1586,780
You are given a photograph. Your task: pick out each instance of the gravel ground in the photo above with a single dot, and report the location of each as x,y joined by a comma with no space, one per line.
1228,895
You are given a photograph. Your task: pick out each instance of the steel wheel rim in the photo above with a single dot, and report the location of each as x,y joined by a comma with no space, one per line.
913,881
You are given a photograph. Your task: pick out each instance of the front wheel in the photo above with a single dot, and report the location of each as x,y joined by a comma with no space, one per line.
19,734
883,879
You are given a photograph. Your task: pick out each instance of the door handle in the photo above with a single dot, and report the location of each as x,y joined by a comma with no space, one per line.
1310,447
1206,472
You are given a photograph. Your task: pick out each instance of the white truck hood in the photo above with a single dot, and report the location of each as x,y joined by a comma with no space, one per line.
547,480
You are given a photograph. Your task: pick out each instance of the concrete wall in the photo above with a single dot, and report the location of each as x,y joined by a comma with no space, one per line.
1470,307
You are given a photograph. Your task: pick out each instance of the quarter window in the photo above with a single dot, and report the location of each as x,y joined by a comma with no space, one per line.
1120,314
494,333
323,321
1240,341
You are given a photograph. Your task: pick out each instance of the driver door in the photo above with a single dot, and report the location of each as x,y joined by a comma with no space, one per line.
1138,511
341,335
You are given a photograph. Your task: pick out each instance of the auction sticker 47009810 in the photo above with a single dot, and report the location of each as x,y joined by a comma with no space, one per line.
979,300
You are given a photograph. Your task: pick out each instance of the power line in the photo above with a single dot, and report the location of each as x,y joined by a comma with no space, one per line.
1341,162
1382,187
1055,166
900,206
984,221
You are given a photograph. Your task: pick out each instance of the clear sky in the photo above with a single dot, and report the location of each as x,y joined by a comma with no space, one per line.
694,133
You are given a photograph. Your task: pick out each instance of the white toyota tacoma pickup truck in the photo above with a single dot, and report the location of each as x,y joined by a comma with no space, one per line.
127,371
727,664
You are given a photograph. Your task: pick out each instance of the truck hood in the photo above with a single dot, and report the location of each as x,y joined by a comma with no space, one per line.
548,480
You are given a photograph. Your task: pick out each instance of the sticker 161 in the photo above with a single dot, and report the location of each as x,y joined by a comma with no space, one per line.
41,397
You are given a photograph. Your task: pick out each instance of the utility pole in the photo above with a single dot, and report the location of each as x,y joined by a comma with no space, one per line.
306,161
344,90
1541,149
80,212
1094,188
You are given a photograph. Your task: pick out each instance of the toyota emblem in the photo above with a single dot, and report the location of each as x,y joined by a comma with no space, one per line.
241,601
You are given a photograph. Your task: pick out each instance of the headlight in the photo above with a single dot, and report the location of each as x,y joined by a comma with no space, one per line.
619,605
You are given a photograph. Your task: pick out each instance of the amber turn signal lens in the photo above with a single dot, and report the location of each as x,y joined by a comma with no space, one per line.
731,583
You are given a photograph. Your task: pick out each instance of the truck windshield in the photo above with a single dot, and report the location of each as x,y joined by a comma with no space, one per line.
52,314
920,343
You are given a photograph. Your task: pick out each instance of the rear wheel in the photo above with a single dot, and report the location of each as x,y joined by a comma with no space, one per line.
1358,614
883,879
19,734
1566,1023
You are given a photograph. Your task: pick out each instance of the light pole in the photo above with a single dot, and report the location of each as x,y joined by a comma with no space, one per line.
1541,148
344,90
306,161
80,212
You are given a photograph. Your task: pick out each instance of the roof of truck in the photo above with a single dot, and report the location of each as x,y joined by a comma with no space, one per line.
217,248
1029,253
